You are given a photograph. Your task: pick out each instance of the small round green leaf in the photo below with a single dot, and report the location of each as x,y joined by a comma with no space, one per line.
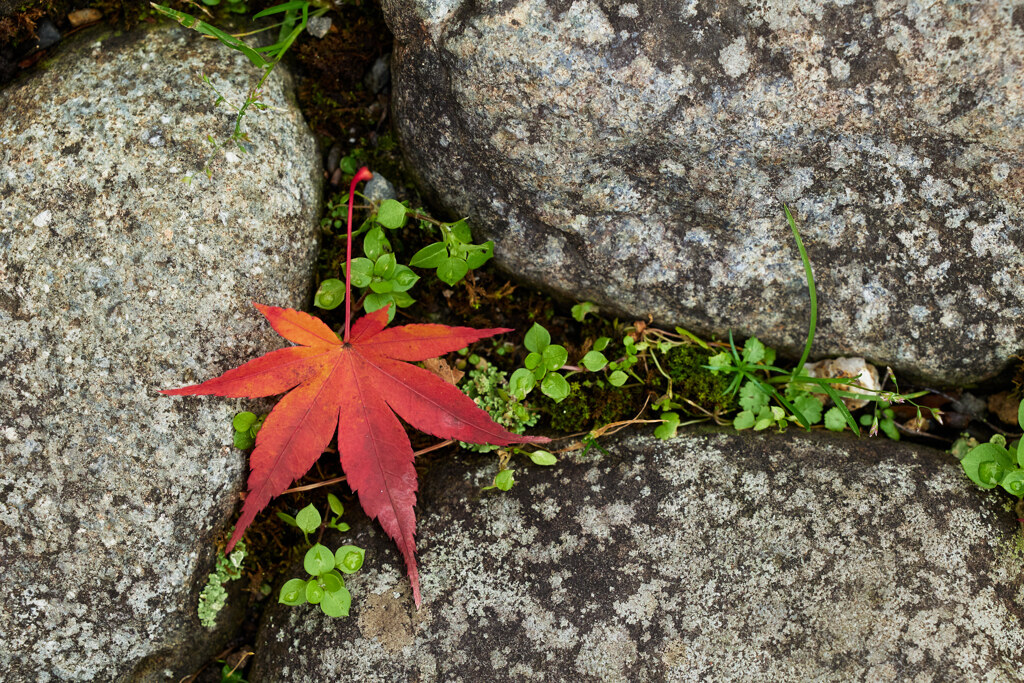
335,504
537,338
744,420
287,519
374,244
349,558
521,383
391,214
404,278
555,356
244,441
1013,481
375,301
430,256
580,310
617,378
543,458
362,271
402,300
452,270
293,592
314,593
504,480
987,464
332,581
555,387
835,420
348,165
308,519
336,603
460,230
532,360
601,343
594,361
243,421
479,257
382,286
330,294
319,560
385,266
667,430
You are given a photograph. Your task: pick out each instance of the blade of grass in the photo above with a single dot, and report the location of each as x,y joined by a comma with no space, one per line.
283,7
810,286
834,395
770,390
196,24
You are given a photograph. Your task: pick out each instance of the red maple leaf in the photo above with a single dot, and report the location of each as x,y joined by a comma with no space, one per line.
354,386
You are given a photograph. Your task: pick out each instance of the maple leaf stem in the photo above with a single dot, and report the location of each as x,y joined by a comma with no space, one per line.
363,174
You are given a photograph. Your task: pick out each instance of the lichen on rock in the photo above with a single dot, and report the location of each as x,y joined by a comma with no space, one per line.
714,556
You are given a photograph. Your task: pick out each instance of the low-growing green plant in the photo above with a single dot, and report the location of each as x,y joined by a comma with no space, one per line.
454,255
541,367
998,463
325,585
580,310
505,479
381,279
214,597
246,425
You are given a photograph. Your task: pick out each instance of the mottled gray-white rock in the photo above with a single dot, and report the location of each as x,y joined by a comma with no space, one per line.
118,279
712,557
638,154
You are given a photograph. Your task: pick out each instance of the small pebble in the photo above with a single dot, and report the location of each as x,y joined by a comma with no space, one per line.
378,188
80,17
318,26
46,34
333,157
379,76
336,177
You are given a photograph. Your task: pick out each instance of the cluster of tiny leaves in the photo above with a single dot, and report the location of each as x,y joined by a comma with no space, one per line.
214,596
386,282
488,386
325,585
541,367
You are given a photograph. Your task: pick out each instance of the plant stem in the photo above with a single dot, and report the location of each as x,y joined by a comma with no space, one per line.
363,174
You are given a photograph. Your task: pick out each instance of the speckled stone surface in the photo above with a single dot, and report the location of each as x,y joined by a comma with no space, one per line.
712,557
118,279
638,154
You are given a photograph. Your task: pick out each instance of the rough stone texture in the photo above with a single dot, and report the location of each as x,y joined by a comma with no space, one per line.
117,279
638,154
727,557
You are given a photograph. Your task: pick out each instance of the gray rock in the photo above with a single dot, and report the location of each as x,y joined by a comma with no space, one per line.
378,78
712,557
47,35
379,188
318,26
638,154
118,279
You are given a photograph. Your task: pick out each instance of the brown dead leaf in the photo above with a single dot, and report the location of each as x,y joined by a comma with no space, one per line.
440,367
